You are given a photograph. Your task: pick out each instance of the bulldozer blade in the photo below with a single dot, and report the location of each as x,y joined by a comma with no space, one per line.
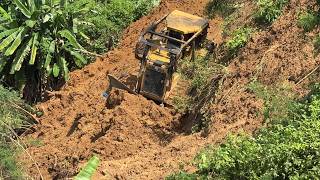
114,82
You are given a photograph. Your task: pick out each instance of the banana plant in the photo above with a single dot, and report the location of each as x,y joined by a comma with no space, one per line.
41,34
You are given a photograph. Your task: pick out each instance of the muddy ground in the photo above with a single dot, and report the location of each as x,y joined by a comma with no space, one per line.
138,139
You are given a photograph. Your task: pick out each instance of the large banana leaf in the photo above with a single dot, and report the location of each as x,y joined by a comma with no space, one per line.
49,55
34,48
64,67
23,8
7,33
21,54
71,38
87,172
6,42
3,62
16,43
4,14
55,70
79,59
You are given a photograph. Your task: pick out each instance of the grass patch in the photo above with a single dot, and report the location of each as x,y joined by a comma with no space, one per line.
107,20
308,21
12,117
238,39
269,10
220,7
316,44
277,100
198,72
9,169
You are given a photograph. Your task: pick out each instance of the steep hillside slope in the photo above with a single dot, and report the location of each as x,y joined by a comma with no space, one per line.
139,139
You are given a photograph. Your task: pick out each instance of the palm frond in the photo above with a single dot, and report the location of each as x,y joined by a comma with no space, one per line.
16,43
21,54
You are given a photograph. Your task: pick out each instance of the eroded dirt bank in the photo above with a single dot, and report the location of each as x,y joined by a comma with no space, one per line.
137,139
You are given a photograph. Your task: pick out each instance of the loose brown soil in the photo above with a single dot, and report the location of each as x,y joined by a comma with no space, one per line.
136,138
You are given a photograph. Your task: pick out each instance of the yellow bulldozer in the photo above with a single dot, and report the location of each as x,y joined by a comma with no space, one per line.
160,47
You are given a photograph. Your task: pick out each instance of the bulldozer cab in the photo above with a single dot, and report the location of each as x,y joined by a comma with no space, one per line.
161,46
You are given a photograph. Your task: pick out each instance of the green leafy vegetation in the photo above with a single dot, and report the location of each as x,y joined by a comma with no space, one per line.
41,34
12,117
316,44
277,100
198,72
9,168
220,7
269,10
46,38
238,39
308,20
87,172
287,149
108,19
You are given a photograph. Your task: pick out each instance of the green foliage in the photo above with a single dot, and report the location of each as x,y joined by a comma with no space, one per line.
12,117
221,7
287,149
87,172
9,168
198,72
308,20
239,39
39,34
269,10
182,176
277,100
316,44
182,104
10,111
107,19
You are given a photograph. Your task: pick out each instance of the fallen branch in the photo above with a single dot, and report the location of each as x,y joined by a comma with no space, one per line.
305,77
89,53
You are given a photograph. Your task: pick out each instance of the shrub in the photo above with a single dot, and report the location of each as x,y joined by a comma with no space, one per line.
9,168
12,117
221,7
108,19
198,72
277,100
269,10
308,20
287,149
39,37
316,44
239,39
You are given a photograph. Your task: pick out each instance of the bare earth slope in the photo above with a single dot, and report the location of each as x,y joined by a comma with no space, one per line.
139,139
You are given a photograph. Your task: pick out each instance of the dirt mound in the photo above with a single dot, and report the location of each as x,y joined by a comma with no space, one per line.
138,139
